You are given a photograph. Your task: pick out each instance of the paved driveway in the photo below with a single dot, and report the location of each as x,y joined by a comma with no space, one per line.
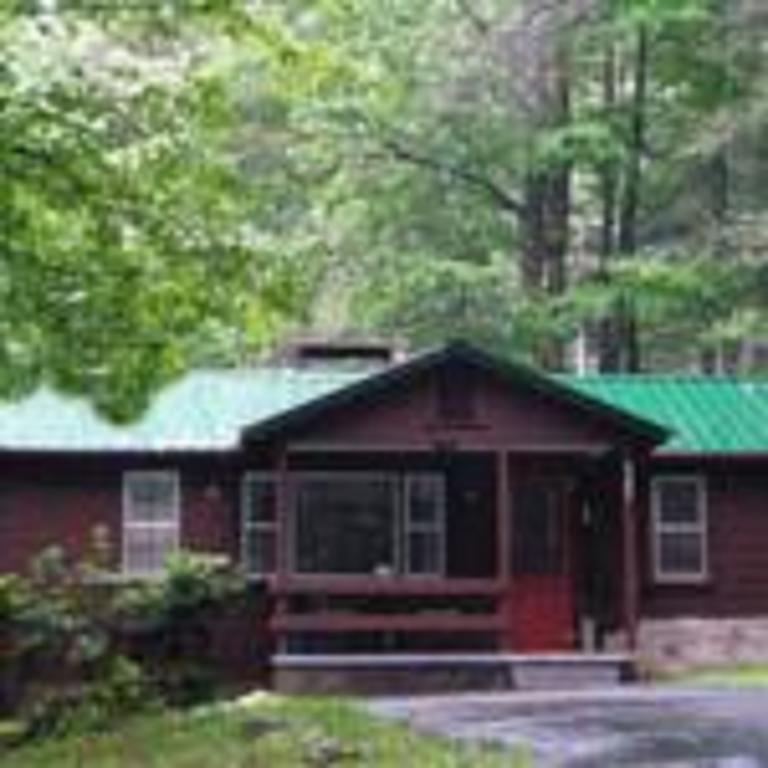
651,727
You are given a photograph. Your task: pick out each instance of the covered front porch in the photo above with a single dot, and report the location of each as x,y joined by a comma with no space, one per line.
446,552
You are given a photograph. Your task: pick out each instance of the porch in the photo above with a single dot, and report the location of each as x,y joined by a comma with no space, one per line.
477,558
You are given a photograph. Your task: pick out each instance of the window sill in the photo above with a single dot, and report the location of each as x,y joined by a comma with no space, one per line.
120,578
689,582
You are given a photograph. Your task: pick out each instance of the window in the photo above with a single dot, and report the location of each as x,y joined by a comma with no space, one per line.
679,507
259,505
150,520
424,524
345,524
538,532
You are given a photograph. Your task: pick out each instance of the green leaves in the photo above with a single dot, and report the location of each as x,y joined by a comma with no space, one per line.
127,234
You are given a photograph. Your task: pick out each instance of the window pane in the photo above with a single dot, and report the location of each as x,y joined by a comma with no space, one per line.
345,525
260,500
424,553
147,549
537,533
260,551
425,498
679,501
151,498
681,554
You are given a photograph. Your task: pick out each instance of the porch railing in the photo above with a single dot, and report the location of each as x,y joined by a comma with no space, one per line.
407,606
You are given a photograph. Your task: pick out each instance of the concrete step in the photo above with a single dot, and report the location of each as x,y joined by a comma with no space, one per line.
543,673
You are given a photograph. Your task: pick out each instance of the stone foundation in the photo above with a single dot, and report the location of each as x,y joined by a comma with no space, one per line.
673,645
392,675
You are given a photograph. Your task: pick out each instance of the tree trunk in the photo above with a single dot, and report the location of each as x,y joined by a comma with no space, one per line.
607,332
545,221
629,214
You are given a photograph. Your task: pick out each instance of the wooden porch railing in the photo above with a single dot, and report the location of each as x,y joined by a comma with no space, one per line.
427,616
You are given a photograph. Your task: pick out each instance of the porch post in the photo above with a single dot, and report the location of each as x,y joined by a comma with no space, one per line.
282,515
629,530
504,547
282,494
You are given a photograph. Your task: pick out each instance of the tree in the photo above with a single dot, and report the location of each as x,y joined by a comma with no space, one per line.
559,138
131,241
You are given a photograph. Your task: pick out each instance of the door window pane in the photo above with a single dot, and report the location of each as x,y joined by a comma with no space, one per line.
537,533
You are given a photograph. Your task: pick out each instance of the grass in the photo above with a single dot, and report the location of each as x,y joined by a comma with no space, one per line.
743,675
261,732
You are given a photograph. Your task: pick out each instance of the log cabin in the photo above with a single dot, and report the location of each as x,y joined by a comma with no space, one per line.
452,518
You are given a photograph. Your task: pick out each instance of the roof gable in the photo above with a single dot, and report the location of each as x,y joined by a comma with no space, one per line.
376,384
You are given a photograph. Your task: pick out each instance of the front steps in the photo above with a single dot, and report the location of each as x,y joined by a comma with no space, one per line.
392,674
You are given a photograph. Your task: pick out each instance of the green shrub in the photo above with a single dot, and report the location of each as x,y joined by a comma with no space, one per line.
91,705
15,603
84,650
168,622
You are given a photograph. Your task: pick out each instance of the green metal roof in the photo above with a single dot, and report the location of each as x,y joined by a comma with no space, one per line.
705,414
208,410
203,411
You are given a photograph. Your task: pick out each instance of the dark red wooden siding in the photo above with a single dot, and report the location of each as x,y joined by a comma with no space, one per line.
738,547
60,501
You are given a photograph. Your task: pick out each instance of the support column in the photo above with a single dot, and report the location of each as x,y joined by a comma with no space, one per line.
282,543
283,511
629,534
504,548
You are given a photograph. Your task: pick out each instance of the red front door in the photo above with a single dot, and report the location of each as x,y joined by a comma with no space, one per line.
540,603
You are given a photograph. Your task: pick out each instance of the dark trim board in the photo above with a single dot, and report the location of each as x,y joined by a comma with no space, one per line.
595,450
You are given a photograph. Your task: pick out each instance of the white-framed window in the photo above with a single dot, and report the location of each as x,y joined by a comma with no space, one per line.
680,542
424,517
151,520
259,523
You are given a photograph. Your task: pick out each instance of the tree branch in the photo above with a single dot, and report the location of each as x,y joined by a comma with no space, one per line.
469,176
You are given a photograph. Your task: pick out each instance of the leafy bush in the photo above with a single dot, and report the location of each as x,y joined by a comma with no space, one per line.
120,690
168,622
85,650
14,604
